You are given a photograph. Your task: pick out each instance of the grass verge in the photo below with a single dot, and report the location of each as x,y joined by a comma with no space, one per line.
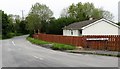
36,41
56,46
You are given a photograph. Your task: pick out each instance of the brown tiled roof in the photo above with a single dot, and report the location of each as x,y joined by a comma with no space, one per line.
79,25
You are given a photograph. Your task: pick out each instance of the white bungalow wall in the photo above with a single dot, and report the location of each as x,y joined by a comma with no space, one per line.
101,28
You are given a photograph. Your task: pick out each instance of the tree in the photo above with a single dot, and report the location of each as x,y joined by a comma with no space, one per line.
15,21
71,11
22,26
6,26
84,11
33,22
0,23
107,15
64,13
97,13
12,22
38,15
12,25
81,11
55,25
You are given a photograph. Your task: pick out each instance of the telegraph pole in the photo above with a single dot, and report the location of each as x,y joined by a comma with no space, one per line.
22,14
119,11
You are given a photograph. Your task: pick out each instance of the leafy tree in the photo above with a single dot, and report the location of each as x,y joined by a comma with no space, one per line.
33,22
10,19
6,26
55,25
71,11
97,13
0,23
83,11
12,25
39,14
107,15
15,23
64,13
22,26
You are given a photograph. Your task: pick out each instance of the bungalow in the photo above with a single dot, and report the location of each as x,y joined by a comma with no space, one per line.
92,27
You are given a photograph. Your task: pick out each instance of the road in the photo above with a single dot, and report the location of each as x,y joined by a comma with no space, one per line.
18,52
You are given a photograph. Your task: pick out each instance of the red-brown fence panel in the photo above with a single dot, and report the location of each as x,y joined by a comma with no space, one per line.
99,42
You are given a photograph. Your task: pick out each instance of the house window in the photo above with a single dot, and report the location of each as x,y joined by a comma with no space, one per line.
71,32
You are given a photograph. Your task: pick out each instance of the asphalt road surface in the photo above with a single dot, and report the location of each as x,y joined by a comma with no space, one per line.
18,52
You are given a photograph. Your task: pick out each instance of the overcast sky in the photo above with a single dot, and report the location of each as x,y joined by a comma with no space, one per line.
15,6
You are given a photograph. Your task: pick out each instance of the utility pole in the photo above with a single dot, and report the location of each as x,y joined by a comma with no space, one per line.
119,11
22,14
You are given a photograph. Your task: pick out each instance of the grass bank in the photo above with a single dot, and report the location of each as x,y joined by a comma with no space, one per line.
36,41
55,46
62,47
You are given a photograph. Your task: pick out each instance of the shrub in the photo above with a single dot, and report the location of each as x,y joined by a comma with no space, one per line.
10,35
18,34
0,36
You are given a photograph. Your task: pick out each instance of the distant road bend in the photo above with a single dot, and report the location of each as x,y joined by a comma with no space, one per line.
18,52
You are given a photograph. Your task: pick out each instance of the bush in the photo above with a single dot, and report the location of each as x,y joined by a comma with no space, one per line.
57,46
0,36
10,35
18,34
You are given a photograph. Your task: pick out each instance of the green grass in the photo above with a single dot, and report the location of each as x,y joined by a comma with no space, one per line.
56,46
36,41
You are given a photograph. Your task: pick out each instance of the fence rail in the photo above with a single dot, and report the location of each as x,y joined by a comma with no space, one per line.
101,42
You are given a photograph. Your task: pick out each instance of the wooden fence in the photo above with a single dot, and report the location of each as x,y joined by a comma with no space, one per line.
106,42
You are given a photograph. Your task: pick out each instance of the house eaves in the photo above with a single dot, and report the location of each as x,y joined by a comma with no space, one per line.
108,21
